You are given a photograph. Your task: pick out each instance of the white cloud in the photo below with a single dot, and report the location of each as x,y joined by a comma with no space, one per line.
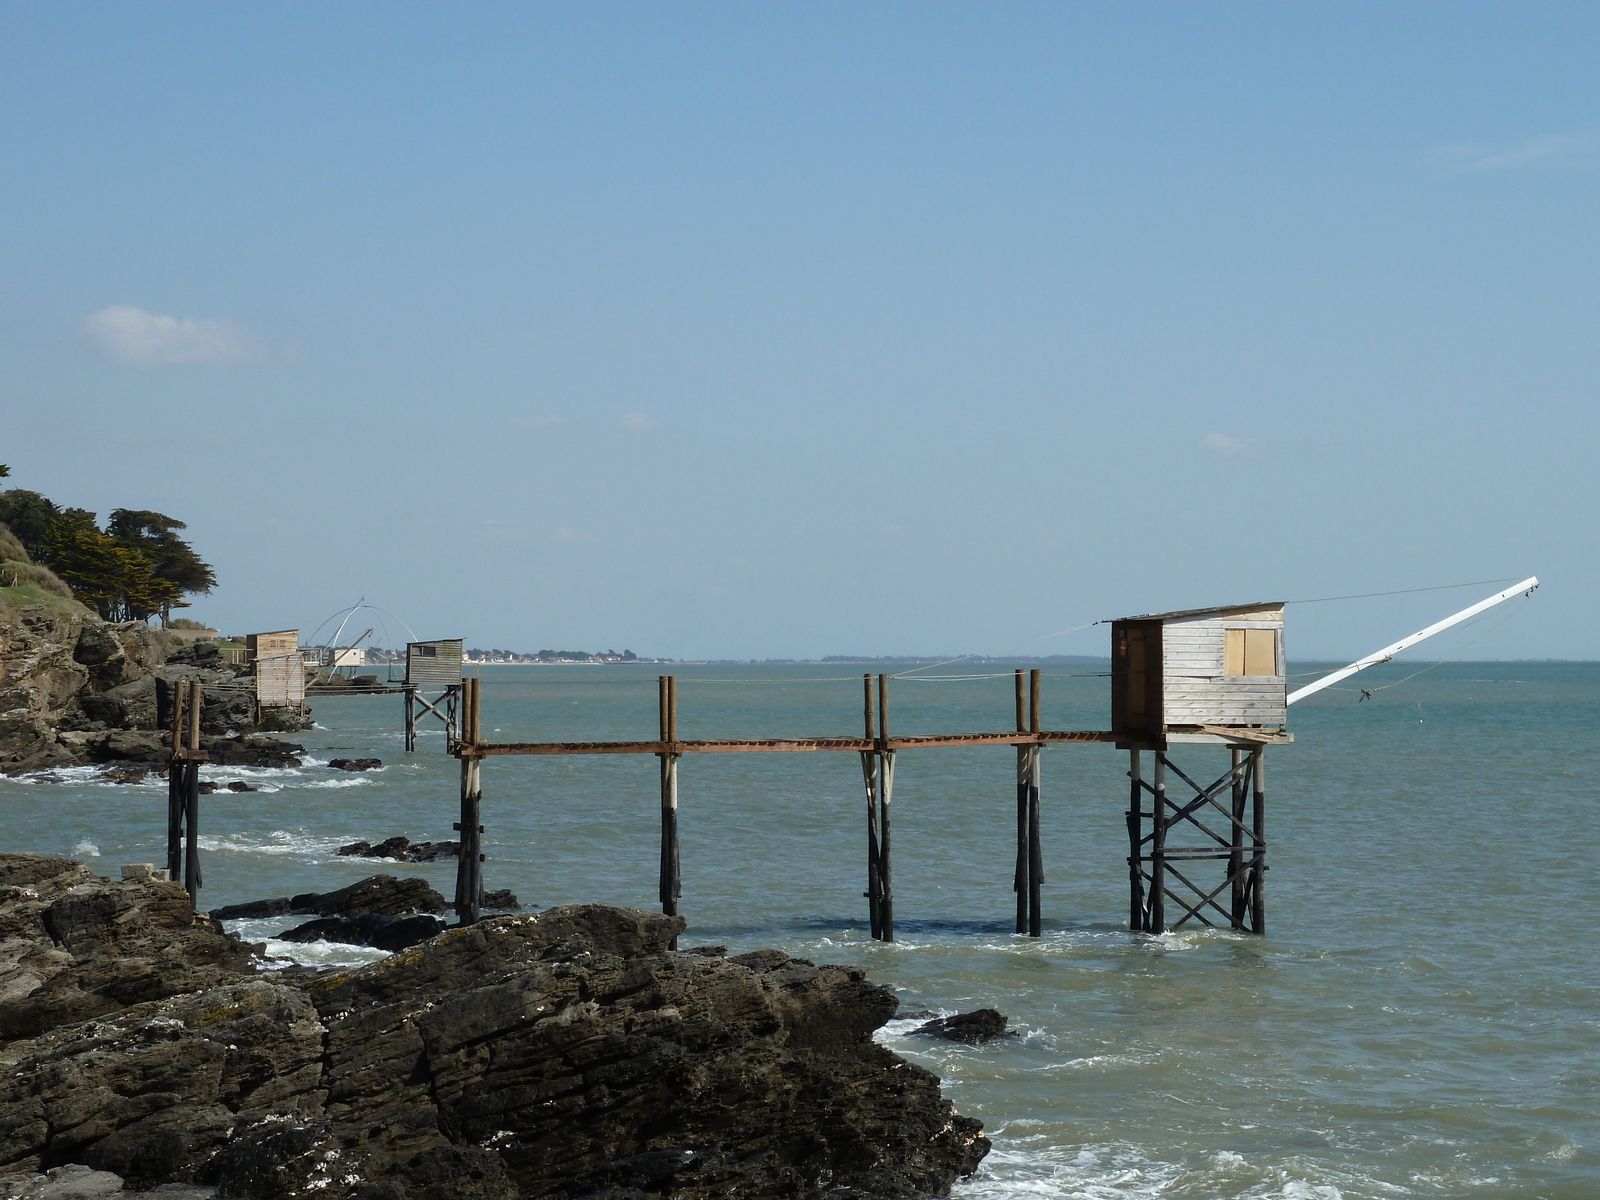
137,338
1223,444
638,423
1551,150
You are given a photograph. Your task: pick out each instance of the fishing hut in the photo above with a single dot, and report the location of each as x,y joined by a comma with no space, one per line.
279,668
1204,676
435,667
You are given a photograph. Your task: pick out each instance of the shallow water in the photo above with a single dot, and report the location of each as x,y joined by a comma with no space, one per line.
1422,1020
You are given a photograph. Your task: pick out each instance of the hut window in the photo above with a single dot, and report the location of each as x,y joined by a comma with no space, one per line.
428,651
1251,652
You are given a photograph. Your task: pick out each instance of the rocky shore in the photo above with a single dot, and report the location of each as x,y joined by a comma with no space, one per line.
568,1054
76,690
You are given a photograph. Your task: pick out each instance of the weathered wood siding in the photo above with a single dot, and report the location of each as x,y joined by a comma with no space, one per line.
1196,688
272,645
280,680
438,669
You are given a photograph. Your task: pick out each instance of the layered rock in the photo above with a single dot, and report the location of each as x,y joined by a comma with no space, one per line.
75,946
375,894
554,1056
75,689
402,849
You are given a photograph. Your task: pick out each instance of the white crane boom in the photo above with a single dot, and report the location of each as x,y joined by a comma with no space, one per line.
1388,652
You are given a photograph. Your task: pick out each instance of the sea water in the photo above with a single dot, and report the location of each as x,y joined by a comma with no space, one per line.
1423,1018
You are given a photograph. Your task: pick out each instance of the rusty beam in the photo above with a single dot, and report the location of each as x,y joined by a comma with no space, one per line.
786,745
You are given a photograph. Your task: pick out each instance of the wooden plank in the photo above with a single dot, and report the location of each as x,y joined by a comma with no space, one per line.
1234,738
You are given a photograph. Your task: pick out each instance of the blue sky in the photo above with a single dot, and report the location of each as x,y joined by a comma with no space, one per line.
789,330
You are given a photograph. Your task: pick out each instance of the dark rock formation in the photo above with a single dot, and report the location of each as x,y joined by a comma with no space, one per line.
73,688
75,946
564,1055
377,893
238,785
502,900
981,1025
403,849
373,929
252,750
355,764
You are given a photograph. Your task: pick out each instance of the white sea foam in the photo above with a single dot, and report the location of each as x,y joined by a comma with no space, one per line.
281,954
86,849
320,954
79,776
278,842
1028,1166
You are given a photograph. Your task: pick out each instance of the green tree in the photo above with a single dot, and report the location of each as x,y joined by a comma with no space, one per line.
100,572
29,516
175,567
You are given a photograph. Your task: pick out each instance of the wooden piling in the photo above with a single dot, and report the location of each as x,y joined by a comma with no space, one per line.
177,783
197,691
1156,914
885,796
1019,882
1258,828
1237,910
671,887
1035,845
1136,918
410,702
869,776
469,870
1035,848
192,881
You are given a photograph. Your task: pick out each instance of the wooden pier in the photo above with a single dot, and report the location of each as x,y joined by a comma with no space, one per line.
1151,860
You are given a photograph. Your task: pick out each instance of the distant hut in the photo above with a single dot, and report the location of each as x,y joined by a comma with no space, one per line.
280,671
435,664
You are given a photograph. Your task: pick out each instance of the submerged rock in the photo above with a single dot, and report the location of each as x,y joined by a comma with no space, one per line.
981,1025
503,900
403,849
374,929
377,893
355,764
252,750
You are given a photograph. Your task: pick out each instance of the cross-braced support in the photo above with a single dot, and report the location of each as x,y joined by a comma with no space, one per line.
1230,834
414,700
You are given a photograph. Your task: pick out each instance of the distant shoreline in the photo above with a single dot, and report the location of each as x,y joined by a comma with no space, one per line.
976,660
